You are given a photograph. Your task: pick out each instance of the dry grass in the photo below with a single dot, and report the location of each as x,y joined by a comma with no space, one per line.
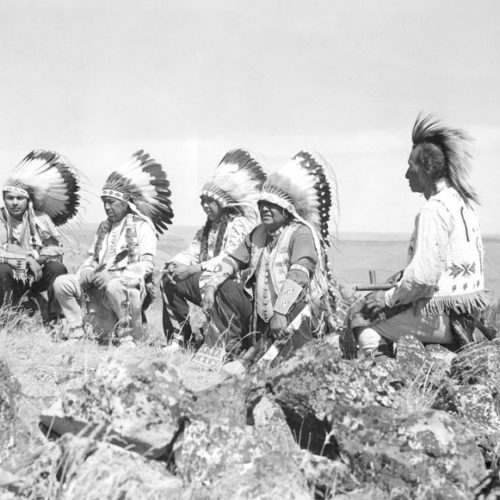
422,392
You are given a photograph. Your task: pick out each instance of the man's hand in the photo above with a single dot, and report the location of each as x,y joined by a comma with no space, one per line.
167,273
34,267
208,301
277,326
101,279
374,304
182,272
86,276
392,280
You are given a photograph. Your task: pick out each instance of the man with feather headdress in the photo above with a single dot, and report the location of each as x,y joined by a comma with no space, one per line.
437,297
40,194
286,295
230,201
114,279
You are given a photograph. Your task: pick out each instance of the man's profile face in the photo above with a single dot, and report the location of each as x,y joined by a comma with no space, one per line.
115,209
417,179
16,204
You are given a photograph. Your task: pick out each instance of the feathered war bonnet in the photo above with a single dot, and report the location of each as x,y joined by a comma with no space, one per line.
306,188
143,184
444,152
50,182
237,182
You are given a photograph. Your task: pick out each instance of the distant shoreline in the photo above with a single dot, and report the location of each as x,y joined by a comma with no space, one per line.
343,236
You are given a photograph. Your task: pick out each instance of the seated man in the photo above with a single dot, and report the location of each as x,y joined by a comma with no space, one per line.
41,193
444,277
113,279
230,202
286,261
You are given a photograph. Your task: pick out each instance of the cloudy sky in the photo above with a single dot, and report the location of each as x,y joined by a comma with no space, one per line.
186,80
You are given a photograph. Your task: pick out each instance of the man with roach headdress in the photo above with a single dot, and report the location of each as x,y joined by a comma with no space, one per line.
439,295
230,201
40,195
286,294
115,281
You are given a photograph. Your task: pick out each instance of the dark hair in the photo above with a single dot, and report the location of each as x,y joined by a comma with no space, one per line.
444,152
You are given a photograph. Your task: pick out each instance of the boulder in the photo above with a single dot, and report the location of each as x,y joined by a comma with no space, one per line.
223,403
76,467
94,470
316,381
142,406
423,455
221,461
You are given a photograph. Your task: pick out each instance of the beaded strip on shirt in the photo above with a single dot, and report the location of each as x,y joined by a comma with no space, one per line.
131,239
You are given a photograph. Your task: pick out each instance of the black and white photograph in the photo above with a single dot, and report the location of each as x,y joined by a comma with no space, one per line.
249,250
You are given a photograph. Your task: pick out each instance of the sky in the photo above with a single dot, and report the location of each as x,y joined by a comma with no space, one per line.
188,80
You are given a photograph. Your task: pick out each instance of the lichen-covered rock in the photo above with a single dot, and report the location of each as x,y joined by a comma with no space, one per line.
268,477
209,449
237,462
143,405
478,363
427,452
440,356
316,381
325,476
476,404
96,470
270,425
84,468
412,355
223,403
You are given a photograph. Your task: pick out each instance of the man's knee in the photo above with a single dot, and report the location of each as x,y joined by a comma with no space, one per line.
55,268
6,272
66,285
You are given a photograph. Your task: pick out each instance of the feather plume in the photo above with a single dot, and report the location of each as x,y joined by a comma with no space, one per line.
52,183
455,145
307,183
144,183
237,180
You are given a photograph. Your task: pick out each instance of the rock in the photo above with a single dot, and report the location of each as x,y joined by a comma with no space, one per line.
441,356
96,470
316,381
209,449
76,467
419,455
271,426
411,356
142,405
324,476
223,403
268,477
237,462
478,363
476,404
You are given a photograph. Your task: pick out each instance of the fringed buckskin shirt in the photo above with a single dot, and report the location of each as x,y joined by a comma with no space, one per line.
445,258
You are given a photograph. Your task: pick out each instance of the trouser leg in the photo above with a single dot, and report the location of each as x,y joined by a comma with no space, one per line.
50,271
176,307
67,292
11,290
232,315
126,303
